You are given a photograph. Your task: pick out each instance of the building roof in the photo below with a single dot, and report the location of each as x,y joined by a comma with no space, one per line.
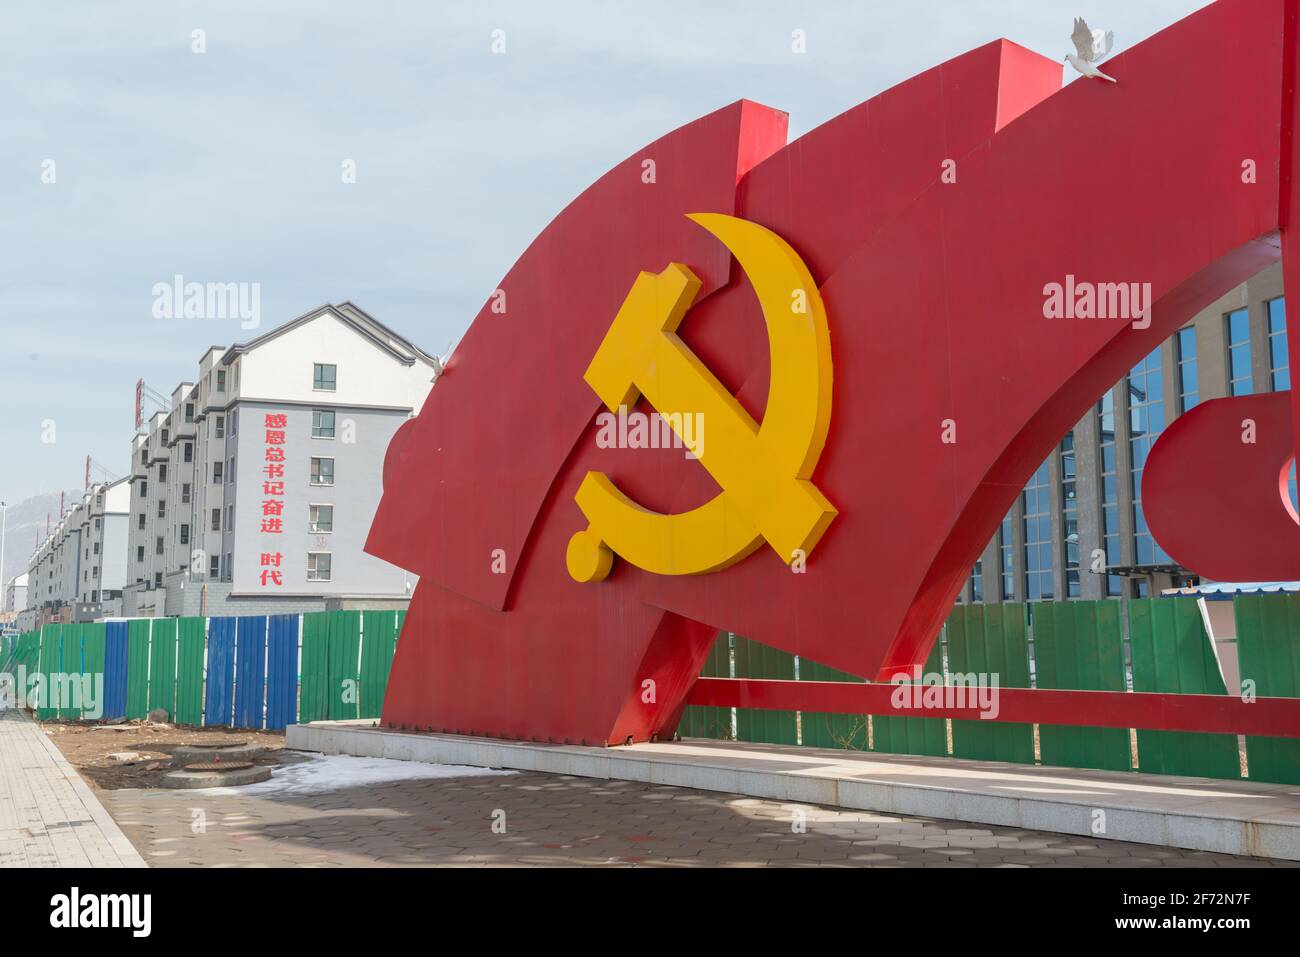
1228,589
351,315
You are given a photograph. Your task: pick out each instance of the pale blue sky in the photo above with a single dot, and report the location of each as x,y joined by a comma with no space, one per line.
226,166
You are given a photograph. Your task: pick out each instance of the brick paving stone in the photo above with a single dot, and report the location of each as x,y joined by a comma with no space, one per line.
49,816
562,821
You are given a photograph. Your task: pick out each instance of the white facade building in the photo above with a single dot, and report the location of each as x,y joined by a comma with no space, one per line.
254,492
15,594
78,573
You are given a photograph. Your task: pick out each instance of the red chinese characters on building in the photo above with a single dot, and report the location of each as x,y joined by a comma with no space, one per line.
273,497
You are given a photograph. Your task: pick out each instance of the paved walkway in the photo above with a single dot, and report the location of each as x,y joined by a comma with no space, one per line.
49,816
547,820
1224,817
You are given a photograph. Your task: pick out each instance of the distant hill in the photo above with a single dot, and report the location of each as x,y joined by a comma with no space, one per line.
23,520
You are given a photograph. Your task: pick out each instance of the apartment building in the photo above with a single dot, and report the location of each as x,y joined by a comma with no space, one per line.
1085,500
14,597
254,491
78,573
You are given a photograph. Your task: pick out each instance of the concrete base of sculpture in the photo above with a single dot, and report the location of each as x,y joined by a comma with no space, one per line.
1226,817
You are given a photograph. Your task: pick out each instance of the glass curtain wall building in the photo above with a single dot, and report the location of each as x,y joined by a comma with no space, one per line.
1078,529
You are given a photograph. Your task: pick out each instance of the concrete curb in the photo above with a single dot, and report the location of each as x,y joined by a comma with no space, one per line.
216,779
125,851
1225,817
187,754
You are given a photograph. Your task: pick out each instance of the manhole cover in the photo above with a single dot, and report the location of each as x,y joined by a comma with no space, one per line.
219,766
215,745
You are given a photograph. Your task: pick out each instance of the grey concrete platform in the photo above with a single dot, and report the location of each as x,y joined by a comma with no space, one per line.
1227,817
49,816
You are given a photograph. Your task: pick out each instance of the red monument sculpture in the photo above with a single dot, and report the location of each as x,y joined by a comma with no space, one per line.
932,220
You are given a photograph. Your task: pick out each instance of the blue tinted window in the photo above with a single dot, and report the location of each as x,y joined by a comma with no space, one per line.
1188,386
1109,490
1070,517
1146,420
1278,360
1238,336
1038,536
1005,547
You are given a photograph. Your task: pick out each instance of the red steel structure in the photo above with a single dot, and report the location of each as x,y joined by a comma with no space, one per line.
932,218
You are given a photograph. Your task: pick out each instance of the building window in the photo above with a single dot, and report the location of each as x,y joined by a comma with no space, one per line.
214,567
142,521
95,548
1238,338
322,424
1038,535
162,508
97,521
230,471
166,436
139,553
324,378
1070,516
225,575
219,427
144,456
1109,491
1146,420
157,579
162,473
158,546
1278,361
216,473
234,423
185,534
321,518
322,471
189,411
230,517
221,380
1006,546
185,493
216,519
318,566
144,489
977,582
1188,386
187,452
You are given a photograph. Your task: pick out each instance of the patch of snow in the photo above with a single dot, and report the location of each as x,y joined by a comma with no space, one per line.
335,772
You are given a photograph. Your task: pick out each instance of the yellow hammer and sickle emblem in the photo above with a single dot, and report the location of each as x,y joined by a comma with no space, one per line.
764,470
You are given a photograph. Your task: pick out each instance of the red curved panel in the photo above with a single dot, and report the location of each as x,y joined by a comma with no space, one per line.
935,293
1214,490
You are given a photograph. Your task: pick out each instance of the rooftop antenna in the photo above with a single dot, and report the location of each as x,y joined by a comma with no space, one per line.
104,474
143,394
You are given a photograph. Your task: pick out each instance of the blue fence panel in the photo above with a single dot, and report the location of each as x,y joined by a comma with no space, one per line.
115,669
282,672
250,671
219,697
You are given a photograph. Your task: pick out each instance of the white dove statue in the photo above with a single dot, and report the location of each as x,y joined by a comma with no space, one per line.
1093,46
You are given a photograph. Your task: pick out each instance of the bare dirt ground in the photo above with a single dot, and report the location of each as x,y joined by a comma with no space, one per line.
87,746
